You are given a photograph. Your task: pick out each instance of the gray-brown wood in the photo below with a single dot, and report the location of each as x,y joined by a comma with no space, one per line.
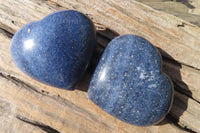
26,94
184,9
33,106
186,6
172,37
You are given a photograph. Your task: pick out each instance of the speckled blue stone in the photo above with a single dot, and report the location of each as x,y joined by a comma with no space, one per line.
55,50
128,82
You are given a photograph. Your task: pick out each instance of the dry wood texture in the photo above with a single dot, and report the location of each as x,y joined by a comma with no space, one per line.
29,106
188,10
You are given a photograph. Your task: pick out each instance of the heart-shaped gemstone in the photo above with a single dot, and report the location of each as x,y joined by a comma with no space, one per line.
129,84
55,50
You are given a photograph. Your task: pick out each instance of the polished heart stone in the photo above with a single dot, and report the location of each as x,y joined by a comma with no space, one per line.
55,50
129,84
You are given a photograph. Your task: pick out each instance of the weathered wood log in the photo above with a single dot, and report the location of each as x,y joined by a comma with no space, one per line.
185,39
168,6
188,6
181,10
45,106
13,76
72,111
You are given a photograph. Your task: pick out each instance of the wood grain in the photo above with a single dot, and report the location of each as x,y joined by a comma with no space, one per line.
178,39
188,11
62,115
48,109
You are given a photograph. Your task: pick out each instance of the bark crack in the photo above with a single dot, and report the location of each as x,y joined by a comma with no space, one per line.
19,82
6,33
40,125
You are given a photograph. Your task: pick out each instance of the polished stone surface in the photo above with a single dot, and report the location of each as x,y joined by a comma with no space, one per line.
55,50
128,82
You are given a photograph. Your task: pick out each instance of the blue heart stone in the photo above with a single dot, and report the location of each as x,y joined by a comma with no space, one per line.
128,82
55,50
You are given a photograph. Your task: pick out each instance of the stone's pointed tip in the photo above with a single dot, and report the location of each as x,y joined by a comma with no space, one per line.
128,82
55,50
